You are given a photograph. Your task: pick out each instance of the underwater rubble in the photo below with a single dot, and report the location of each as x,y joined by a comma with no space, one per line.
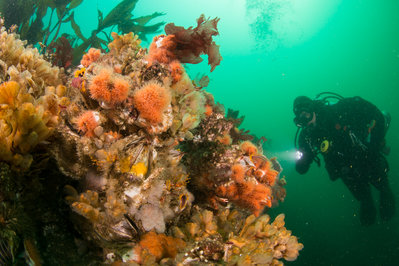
128,161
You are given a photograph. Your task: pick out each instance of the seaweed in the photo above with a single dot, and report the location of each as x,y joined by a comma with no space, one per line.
120,17
62,51
201,81
28,16
193,42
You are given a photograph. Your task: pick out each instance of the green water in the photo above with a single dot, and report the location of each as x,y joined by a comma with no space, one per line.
276,50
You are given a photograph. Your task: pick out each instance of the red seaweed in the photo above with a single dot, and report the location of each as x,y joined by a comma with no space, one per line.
193,42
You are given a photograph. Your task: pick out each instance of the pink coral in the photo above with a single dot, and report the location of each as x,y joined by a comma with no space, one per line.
91,56
109,88
151,101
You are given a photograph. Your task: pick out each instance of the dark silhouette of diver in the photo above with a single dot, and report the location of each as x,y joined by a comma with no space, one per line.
350,134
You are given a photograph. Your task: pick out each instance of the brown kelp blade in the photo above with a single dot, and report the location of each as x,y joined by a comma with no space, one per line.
118,14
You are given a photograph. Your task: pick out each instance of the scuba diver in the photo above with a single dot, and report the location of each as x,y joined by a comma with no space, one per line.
350,134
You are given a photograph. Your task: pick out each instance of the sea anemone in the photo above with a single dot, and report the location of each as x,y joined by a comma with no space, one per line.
107,87
238,172
248,148
151,101
248,195
87,122
225,139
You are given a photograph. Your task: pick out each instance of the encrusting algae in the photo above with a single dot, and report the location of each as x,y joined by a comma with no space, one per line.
165,176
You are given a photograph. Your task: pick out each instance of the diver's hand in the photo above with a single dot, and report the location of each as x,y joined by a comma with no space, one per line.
302,165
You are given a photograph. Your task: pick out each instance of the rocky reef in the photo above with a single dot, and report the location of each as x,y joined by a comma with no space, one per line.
134,159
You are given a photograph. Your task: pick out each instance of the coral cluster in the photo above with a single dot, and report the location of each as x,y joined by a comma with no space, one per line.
108,88
117,139
31,102
231,170
153,171
25,65
230,238
30,95
91,56
227,238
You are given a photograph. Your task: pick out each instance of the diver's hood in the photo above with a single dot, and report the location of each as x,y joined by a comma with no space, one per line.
303,110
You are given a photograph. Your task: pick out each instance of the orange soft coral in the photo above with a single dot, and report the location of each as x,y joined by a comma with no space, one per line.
263,170
248,195
162,49
176,71
238,172
271,175
208,110
248,148
108,88
87,122
151,101
225,139
91,56
160,245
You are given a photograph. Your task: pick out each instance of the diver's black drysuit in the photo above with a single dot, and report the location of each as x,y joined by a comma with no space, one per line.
350,135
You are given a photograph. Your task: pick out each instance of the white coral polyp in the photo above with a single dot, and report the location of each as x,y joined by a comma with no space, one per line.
151,217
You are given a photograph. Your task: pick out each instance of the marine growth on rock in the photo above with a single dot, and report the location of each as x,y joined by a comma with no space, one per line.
150,169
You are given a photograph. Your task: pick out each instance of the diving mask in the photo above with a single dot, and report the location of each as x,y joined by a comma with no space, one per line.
303,119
